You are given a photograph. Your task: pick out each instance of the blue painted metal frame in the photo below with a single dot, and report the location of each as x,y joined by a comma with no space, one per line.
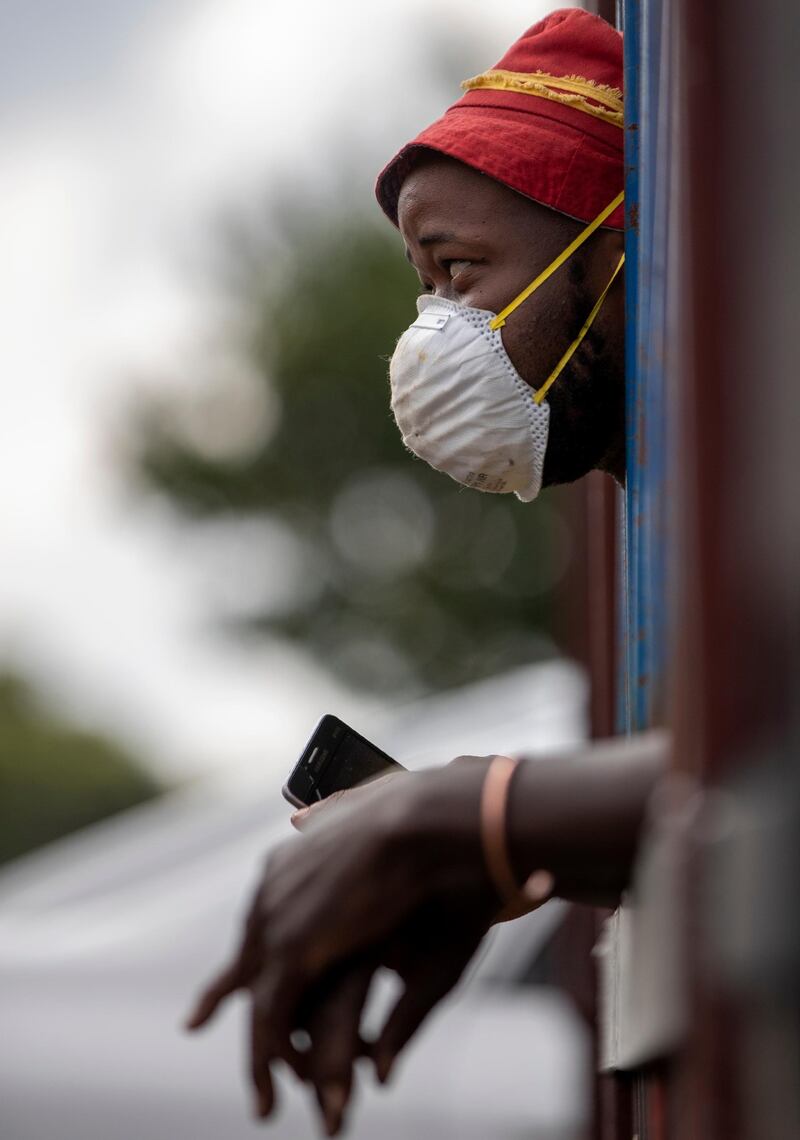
643,578
645,544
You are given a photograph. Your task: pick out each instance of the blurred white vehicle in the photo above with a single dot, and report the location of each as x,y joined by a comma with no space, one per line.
105,937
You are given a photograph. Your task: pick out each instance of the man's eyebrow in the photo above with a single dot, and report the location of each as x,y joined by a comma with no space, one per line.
436,238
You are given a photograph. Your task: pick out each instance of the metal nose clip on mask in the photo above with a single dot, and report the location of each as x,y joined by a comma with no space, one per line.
460,403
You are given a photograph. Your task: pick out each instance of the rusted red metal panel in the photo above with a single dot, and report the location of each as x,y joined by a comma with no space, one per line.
601,593
612,1101
737,669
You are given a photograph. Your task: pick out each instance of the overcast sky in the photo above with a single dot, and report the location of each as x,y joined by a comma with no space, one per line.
127,129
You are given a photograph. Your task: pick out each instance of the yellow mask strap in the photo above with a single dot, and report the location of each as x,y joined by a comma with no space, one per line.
498,321
587,324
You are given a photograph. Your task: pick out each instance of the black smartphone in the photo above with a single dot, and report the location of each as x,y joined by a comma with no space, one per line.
335,758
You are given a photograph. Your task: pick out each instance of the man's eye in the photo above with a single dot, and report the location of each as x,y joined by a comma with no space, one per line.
453,266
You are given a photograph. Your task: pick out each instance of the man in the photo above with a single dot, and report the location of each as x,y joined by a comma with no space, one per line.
528,162
510,379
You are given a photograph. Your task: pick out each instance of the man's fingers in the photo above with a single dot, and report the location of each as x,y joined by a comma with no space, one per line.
260,1058
207,1004
304,817
239,973
332,1099
422,993
275,999
333,1024
308,816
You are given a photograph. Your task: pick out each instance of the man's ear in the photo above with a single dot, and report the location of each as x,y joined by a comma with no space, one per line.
610,245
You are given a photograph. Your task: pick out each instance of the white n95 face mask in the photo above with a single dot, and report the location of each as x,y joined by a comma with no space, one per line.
460,403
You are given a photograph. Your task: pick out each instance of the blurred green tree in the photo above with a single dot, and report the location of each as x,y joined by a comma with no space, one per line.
54,778
402,581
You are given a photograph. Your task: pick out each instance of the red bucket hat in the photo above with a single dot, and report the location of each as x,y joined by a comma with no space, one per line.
546,121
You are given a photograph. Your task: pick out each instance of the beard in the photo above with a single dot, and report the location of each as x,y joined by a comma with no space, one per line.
587,413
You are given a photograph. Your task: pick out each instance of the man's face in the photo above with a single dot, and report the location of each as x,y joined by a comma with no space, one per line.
474,241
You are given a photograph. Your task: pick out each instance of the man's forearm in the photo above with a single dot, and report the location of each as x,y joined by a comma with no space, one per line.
580,816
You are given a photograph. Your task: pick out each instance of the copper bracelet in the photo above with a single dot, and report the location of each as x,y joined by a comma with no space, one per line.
538,887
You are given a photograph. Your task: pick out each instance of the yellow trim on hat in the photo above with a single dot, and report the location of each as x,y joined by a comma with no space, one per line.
571,90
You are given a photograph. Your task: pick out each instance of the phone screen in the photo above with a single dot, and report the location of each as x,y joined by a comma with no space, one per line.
335,758
356,760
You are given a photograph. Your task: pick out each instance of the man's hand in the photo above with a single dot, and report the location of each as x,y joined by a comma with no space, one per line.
393,874
360,889
344,894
